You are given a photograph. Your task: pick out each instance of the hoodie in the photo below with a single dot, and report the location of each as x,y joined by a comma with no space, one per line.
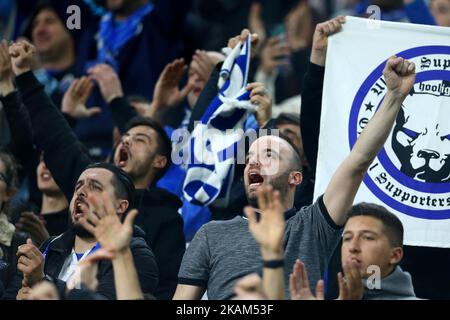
396,286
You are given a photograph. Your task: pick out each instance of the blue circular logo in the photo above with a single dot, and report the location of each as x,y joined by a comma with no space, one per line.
411,174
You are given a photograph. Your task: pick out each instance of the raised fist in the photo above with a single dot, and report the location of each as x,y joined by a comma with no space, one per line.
400,75
21,53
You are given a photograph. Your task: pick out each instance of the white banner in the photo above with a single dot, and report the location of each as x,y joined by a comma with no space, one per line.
411,174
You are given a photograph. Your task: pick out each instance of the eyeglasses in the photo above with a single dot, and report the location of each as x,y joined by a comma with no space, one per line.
3,178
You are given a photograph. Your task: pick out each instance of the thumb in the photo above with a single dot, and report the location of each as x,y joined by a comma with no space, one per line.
29,241
101,254
187,88
93,111
129,219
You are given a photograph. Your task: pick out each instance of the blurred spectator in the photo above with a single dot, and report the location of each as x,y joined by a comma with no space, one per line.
10,238
414,11
440,9
283,58
56,45
137,38
289,126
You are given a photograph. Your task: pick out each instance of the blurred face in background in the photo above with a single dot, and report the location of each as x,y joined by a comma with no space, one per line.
200,70
123,7
388,4
293,133
4,194
49,34
45,181
440,9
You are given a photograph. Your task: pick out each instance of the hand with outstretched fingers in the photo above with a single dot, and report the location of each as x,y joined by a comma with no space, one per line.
299,284
104,223
75,98
269,230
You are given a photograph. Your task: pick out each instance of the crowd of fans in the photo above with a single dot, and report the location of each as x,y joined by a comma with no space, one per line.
92,205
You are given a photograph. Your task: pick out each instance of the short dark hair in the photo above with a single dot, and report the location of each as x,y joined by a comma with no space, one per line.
164,144
121,181
391,223
287,118
296,161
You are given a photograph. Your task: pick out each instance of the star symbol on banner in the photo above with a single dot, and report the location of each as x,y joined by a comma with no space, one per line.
369,106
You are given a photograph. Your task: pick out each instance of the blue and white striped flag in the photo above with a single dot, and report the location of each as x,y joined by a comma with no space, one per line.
214,140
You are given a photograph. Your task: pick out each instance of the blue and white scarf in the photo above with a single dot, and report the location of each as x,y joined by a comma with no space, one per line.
212,146
113,35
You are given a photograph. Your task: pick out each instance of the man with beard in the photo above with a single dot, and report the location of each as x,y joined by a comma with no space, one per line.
144,153
224,251
62,254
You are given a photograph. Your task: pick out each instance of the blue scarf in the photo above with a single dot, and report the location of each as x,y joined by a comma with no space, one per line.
113,35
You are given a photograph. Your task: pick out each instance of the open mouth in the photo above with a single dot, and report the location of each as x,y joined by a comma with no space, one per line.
79,209
255,179
123,157
46,176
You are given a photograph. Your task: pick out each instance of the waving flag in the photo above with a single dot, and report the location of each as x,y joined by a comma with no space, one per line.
214,140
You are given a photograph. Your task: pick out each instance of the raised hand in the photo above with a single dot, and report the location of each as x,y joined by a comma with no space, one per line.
31,263
204,62
254,40
167,94
261,97
104,223
34,225
400,75
320,39
86,271
22,54
274,54
6,73
108,81
74,101
299,26
256,23
352,287
269,230
299,284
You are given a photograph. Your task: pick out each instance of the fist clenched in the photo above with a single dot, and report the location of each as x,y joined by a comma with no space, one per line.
21,53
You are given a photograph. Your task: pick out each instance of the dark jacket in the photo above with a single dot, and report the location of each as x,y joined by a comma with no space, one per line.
163,226
10,276
65,159
26,153
59,248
